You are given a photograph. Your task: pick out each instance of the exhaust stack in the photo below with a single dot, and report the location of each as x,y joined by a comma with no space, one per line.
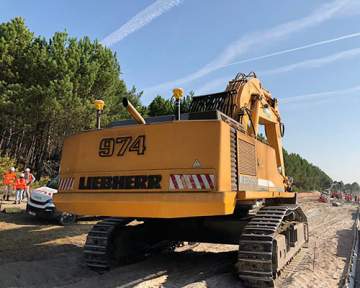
133,112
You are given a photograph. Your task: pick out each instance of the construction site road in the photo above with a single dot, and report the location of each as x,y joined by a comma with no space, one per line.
36,253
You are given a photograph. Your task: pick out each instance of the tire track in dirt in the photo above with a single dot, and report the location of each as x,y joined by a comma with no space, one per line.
322,263
44,255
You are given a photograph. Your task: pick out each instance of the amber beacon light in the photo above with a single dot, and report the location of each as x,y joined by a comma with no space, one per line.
178,94
99,106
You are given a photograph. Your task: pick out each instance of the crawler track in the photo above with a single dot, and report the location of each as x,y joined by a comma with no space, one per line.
112,242
98,243
256,264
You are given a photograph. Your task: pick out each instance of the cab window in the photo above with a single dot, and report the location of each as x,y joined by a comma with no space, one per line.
53,183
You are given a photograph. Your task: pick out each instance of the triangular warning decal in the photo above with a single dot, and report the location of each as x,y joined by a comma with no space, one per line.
196,164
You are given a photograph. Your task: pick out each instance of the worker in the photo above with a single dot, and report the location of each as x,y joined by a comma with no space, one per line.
9,182
20,186
29,177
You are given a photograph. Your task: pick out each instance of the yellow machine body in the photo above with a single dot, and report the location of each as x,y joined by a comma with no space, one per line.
175,150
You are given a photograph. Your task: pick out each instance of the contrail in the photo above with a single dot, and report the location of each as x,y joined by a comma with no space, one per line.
311,63
286,51
140,20
251,40
319,95
315,62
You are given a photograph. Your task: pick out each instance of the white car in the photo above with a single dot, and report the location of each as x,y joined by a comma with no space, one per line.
41,204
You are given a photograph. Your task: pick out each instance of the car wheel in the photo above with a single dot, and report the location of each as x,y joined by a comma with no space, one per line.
67,218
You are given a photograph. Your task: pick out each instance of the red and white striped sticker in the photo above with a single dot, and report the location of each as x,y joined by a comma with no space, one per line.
191,182
66,183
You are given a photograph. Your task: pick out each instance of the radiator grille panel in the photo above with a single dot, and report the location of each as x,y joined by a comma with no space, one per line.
234,159
246,158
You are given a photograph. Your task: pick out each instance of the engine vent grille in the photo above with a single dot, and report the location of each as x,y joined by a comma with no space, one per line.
234,159
247,158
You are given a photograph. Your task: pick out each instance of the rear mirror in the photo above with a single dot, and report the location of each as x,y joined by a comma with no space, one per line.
282,129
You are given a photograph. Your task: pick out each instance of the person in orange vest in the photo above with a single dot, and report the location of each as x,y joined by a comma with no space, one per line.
29,177
9,182
20,186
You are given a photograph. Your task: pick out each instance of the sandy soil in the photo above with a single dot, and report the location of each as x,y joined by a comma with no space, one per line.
35,253
323,262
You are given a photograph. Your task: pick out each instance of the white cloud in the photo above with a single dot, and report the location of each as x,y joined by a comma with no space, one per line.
314,63
249,41
319,95
140,20
213,85
351,10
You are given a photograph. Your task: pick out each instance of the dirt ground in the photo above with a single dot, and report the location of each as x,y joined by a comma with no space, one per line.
35,253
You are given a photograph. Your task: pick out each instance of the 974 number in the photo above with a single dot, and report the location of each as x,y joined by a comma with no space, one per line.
121,145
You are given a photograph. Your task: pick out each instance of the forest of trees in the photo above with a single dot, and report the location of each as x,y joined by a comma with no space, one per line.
47,91
307,177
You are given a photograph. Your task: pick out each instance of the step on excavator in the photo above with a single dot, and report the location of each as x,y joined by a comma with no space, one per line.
215,174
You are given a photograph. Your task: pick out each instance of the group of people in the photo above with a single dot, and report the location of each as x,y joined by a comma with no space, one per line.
20,183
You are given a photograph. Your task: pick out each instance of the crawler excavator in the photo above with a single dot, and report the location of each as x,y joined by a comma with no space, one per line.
201,176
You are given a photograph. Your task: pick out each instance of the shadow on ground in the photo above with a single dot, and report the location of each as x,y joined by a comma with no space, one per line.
172,269
344,246
345,237
26,238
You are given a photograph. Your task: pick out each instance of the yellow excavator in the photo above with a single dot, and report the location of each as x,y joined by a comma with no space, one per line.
201,176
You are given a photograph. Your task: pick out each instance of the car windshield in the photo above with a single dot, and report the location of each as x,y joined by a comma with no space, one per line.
53,183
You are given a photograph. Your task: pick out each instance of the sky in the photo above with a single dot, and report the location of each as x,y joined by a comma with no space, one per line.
307,53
